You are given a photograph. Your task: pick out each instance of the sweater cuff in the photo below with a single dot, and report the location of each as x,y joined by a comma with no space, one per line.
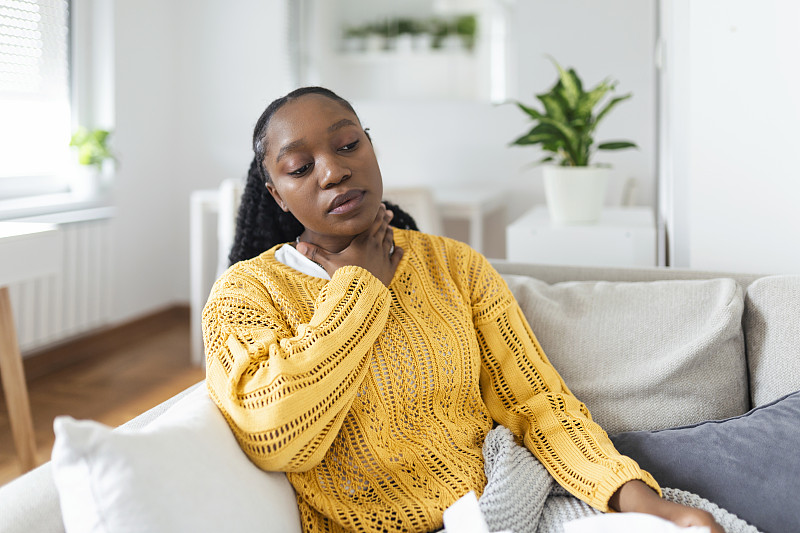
612,483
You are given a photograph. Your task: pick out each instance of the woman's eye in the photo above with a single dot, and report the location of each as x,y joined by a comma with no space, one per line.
300,171
349,147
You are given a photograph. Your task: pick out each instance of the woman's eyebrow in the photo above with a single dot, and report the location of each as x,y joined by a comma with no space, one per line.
288,148
340,124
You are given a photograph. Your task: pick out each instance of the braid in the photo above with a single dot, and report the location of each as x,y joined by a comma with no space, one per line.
401,220
261,223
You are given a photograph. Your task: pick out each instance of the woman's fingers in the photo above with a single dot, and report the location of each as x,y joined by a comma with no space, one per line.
381,222
316,254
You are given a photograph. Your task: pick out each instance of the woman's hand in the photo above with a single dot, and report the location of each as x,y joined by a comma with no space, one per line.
373,250
636,496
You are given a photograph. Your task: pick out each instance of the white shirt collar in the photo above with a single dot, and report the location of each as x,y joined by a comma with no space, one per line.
289,256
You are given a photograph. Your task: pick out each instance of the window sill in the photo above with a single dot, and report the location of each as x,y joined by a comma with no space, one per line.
47,204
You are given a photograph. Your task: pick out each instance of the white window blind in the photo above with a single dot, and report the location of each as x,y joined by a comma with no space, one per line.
34,90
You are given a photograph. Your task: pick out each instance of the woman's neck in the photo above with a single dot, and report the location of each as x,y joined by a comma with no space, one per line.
329,243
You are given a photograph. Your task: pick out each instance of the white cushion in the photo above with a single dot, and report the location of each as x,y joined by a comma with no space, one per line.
183,472
644,355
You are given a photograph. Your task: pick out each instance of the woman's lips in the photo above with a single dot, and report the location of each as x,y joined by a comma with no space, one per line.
346,202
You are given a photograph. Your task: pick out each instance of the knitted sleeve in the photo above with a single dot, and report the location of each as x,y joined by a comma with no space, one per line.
286,393
525,393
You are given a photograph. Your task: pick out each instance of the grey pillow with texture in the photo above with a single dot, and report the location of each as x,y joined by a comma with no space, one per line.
643,355
772,335
748,464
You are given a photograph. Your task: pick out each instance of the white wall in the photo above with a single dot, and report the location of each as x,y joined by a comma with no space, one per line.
736,76
146,183
192,77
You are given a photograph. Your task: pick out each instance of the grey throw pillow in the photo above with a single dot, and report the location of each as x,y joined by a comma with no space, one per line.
749,464
643,355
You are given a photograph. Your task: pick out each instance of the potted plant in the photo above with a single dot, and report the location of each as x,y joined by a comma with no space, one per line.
406,30
354,39
574,189
94,156
466,28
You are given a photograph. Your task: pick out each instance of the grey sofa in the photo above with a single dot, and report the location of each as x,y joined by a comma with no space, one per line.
645,349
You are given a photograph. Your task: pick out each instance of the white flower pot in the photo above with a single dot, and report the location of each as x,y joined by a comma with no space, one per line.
404,43
85,181
423,42
575,195
375,43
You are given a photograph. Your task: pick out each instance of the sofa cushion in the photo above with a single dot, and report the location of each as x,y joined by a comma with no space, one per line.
184,472
772,335
747,464
643,355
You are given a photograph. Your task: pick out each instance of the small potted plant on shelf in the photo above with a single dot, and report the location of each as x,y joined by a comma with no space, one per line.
406,30
574,188
377,36
354,39
94,157
466,28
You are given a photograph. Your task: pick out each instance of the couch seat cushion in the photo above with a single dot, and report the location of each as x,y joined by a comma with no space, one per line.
643,355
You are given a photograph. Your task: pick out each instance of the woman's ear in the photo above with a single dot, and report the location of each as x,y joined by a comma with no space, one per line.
276,195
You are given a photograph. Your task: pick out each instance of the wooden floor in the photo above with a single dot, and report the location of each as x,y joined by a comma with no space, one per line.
148,364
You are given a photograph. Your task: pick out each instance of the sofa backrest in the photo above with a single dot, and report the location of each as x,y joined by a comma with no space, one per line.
772,334
770,328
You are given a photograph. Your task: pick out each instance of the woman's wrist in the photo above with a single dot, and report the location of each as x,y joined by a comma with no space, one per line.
635,496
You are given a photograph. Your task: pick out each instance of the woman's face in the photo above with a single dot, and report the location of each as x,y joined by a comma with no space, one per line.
323,170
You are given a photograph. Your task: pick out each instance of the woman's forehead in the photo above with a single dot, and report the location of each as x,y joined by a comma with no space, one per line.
311,110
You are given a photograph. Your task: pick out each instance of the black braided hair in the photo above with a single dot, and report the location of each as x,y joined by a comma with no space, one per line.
261,223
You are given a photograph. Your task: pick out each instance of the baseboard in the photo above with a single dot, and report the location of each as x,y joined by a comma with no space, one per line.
96,343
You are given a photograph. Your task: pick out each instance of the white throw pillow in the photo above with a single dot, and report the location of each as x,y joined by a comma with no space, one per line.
183,472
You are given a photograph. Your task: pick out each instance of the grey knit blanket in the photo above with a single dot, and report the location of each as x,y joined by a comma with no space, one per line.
521,496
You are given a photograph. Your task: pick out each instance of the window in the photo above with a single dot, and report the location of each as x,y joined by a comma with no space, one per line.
34,96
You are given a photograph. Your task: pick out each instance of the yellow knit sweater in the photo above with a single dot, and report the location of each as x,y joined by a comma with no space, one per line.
376,400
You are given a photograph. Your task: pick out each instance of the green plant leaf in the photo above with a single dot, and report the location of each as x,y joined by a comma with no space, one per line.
576,79
92,146
542,127
609,106
616,145
571,88
554,106
534,138
588,100
529,110
570,138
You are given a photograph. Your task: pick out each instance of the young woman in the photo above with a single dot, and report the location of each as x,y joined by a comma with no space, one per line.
369,361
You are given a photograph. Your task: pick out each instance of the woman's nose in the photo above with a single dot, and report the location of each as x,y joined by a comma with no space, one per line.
333,173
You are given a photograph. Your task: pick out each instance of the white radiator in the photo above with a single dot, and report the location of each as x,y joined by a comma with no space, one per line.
77,299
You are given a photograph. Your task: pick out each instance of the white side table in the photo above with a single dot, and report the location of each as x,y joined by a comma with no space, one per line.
473,205
624,236
27,251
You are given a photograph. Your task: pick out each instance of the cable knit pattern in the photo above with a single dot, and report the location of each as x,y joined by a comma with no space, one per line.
376,401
